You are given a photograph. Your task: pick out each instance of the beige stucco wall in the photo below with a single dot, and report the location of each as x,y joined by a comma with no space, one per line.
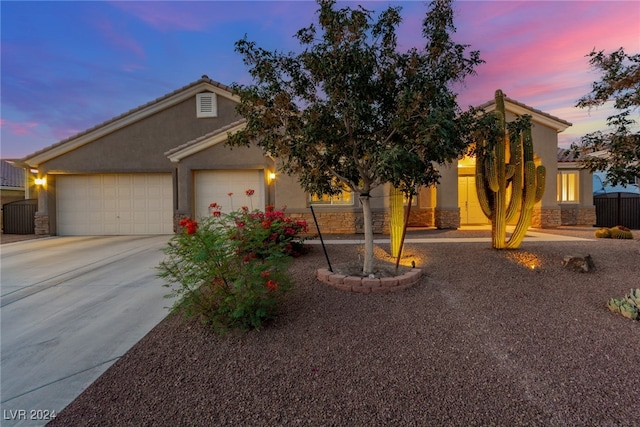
140,147
447,212
545,147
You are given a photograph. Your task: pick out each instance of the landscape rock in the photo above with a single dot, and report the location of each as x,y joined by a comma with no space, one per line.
579,263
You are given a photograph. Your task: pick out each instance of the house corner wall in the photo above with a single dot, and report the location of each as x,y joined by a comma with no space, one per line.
581,212
44,220
447,212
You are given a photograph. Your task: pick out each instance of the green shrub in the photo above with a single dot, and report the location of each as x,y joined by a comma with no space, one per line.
230,270
628,306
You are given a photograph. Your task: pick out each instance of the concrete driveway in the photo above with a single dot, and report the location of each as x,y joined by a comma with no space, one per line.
70,307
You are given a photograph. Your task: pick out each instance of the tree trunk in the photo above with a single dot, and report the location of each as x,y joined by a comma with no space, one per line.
367,267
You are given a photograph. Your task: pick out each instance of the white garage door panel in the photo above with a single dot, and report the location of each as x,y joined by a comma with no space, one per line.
114,204
215,186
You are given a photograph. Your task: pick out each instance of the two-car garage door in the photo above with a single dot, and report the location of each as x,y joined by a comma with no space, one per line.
114,204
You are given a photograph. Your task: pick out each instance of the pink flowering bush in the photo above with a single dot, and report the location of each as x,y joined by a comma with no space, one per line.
230,270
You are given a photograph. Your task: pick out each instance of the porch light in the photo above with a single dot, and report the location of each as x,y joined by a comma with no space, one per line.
272,176
40,181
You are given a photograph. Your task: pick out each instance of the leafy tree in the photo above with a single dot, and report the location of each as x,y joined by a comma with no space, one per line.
350,110
620,147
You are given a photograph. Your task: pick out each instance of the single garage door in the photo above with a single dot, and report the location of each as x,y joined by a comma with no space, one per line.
214,186
114,204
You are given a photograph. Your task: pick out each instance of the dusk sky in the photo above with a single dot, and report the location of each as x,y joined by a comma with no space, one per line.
68,66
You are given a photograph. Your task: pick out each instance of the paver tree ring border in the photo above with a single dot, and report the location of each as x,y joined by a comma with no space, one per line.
367,285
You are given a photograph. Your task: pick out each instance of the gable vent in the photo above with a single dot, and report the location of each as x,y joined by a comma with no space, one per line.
206,105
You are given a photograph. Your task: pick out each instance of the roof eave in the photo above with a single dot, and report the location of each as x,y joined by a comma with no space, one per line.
518,108
204,142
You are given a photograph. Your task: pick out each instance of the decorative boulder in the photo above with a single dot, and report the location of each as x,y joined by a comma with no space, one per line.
579,263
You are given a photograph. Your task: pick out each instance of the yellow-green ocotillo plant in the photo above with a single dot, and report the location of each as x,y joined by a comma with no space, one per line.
507,180
396,204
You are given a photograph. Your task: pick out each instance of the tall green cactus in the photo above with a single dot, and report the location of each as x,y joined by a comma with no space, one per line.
397,219
508,188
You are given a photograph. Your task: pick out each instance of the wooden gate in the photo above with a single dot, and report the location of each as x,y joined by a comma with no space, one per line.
19,217
618,209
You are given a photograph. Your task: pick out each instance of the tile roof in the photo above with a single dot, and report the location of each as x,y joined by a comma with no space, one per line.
567,156
10,175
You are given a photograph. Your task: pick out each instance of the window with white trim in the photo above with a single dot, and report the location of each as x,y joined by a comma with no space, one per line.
206,105
568,189
344,198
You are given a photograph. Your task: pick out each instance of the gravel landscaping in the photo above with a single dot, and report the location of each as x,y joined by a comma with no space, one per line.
482,339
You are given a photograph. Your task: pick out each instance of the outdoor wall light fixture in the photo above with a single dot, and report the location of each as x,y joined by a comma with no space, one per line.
40,181
272,176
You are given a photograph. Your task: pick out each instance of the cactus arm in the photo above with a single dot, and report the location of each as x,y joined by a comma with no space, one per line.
499,224
541,173
516,180
491,172
481,188
483,197
526,213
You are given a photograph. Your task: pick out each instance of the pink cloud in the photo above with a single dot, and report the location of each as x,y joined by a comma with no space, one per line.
171,15
19,128
118,38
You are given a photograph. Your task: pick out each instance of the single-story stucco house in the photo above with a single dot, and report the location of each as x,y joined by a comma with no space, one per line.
144,170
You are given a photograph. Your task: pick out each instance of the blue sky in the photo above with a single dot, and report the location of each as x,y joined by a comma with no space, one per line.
68,66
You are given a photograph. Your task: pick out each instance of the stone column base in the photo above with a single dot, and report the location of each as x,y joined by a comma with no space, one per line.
447,218
421,217
578,215
546,217
42,227
343,222
587,216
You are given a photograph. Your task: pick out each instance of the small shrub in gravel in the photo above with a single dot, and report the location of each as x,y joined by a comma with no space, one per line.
230,270
628,306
